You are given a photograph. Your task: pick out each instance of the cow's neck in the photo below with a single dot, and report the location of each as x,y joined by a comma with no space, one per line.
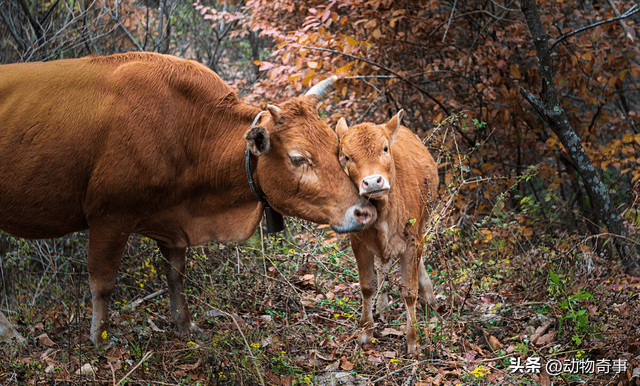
226,203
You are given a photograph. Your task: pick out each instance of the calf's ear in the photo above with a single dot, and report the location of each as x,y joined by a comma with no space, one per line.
394,124
258,140
276,113
341,128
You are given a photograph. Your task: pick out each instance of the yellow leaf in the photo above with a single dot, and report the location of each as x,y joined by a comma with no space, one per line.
622,74
585,248
515,71
307,79
627,138
344,68
488,235
353,42
344,91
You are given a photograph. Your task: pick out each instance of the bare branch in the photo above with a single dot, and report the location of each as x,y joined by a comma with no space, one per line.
453,9
383,67
630,12
37,28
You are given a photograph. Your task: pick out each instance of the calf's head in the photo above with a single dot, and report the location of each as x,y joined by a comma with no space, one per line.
365,154
298,169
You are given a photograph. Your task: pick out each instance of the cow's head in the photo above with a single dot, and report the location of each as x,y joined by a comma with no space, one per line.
365,153
298,169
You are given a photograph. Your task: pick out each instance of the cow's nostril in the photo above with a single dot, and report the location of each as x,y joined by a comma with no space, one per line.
379,180
365,215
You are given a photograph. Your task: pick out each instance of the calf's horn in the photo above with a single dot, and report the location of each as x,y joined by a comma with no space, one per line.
321,88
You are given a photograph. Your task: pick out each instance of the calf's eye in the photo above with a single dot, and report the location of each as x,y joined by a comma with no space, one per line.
386,148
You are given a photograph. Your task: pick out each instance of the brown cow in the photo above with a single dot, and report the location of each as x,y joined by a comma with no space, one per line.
391,167
153,144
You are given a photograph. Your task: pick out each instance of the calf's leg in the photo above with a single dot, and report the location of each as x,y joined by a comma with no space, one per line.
425,288
106,244
409,291
382,305
366,275
174,268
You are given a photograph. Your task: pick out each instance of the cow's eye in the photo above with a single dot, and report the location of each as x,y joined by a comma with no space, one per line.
386,148
298,160
346,157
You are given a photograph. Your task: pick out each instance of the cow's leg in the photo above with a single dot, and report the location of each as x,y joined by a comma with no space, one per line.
409,291
366,275
425,288
174,268
106,244
382,304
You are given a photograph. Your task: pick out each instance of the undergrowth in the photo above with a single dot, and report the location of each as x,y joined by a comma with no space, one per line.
512,284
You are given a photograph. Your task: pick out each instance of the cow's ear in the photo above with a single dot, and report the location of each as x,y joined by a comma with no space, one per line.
341,128
394,124
258,140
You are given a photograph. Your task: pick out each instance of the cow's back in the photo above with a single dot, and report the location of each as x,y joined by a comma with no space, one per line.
75,132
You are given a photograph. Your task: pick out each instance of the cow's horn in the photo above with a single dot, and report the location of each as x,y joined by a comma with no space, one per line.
321,88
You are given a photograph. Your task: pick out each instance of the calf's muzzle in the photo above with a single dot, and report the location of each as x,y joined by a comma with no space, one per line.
374,185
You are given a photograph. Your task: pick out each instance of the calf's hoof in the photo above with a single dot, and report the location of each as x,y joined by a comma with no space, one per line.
412,351
102,340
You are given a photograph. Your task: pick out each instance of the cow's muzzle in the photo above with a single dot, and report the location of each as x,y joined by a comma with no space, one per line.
358,217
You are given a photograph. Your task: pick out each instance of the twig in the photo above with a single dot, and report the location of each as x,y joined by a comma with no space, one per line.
382,378
144,358
453,9
616,12
148,297
383,67
122,27
37,28
613,235
244,338
630,12
413,373
495,359
113,371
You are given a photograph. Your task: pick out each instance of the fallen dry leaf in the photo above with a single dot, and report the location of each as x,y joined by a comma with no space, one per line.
389,354
495,343
190,367
346,365
391,331
86,369
546,339
44,339
333,366
540,331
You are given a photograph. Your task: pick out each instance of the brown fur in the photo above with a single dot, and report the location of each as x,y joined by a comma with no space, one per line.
153,144
403,209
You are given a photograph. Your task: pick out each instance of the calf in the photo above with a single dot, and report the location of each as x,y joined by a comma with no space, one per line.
392,168
160,146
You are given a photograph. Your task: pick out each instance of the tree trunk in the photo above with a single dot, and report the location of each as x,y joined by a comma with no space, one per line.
553,115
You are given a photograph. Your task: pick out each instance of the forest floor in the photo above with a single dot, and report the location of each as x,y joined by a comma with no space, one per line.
284,311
